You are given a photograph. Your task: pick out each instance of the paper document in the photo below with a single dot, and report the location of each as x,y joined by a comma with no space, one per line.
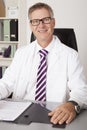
10,110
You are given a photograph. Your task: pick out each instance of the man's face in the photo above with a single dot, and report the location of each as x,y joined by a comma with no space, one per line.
42,31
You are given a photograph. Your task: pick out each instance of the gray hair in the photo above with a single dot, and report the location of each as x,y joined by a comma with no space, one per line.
40,6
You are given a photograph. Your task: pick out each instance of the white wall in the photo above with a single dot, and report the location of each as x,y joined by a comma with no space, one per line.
70,14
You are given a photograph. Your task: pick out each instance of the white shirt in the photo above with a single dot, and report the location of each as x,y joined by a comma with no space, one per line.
65,79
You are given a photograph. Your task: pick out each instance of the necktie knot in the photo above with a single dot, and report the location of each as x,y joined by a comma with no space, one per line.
43,53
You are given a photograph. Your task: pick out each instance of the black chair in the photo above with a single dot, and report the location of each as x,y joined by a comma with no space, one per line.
66,36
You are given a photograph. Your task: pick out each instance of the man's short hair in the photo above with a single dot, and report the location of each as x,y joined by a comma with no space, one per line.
40,6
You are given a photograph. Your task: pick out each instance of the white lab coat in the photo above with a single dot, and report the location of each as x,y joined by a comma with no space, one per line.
64,74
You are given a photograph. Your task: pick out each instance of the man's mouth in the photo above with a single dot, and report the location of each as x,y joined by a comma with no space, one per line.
42,31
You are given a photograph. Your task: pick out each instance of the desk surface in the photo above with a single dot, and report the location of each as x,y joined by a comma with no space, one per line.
80,123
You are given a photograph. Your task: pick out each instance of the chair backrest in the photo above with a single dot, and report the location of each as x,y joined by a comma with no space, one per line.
66,36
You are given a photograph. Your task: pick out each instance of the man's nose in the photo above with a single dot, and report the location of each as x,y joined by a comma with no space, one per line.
41,22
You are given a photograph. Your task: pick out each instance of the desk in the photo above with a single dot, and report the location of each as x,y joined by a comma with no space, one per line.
80,123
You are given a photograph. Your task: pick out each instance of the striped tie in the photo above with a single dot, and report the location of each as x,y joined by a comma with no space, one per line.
41,77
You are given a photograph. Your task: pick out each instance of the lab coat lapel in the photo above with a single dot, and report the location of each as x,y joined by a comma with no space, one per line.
54,55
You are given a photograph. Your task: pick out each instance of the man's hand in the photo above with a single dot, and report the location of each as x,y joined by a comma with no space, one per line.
64,113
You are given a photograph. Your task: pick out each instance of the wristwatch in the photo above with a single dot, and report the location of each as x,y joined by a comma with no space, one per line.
77,107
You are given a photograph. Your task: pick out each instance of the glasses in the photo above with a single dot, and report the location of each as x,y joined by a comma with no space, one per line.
36,22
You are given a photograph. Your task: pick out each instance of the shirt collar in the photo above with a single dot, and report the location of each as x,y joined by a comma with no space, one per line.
48,48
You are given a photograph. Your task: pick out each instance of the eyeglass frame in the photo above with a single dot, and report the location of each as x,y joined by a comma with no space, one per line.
41,20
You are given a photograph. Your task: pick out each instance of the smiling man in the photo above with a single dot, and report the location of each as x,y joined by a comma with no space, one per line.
42,25
46,70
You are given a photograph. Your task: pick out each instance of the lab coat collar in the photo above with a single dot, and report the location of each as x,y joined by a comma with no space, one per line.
48,48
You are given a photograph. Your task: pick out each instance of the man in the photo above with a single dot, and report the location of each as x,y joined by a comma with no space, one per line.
60,77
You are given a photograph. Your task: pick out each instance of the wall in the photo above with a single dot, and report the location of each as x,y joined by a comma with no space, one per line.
69,14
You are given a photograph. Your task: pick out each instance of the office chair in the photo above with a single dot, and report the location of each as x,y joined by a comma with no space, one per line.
66,36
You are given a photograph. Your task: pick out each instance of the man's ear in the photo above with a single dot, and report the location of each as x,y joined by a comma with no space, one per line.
30,26
53,22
